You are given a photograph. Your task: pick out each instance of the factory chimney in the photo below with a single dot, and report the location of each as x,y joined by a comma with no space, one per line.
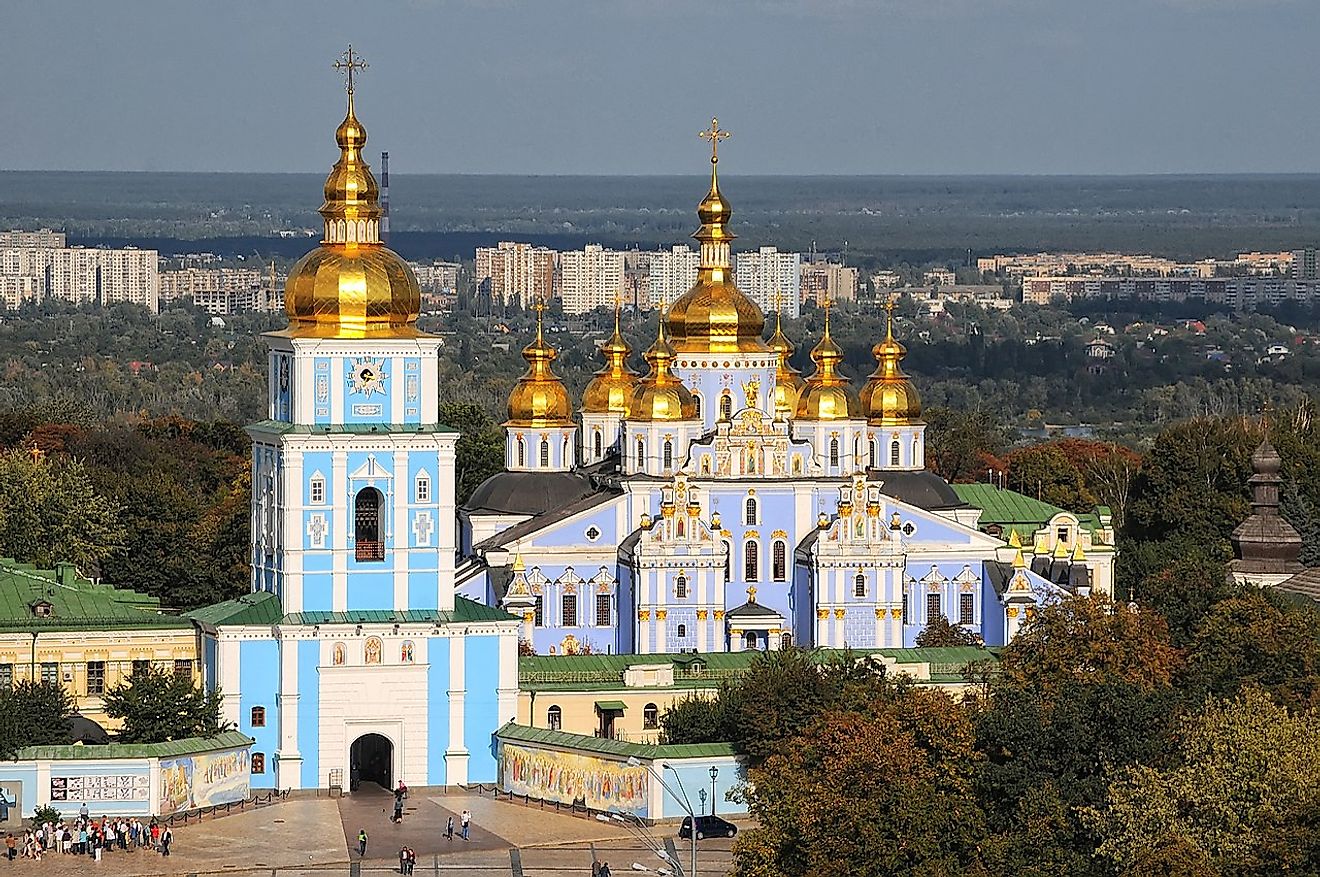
385,198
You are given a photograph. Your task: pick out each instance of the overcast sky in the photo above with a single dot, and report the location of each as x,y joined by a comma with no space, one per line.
622,86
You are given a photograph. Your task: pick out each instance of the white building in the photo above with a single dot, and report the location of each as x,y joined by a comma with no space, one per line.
771,279
672,273
512,271
590,278
41,239
14,291
86,276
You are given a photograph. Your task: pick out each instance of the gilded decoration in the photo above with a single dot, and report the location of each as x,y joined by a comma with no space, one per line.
539,399
719,614
879,613
644,615
701,614
611,388
895,612
822,613
889,398
840,613
1012,612
661,614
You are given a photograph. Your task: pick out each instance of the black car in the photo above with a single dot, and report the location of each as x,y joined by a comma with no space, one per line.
707,826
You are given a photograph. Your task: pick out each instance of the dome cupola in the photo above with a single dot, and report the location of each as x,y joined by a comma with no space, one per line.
828,395
889,397
661,395
539,399
611,388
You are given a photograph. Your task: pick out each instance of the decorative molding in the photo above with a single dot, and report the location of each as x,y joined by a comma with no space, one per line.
644,614
840,613
701,614
895,612
1012,611
661,614
822,613
880,613
719,614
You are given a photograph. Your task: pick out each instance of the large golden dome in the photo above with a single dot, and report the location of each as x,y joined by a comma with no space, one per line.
788,380
714,316
610,389
352,286
539,399
828,395
890,398
661,395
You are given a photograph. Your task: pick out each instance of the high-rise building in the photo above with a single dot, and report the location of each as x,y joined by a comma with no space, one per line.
1304,264
828,279
196,282
15,290
771,279
672,273
513,271
84,276
590,278
41,239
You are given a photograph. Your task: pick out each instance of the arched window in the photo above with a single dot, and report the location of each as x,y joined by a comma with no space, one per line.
779,560
916,456
680,587
749,516
668,454
728,560
726,406
258,762
258,717
750,558
875,461
786,641
422,488
650,716
522,452
750,640
554,718
545,453
696,404
563,454
682,631
641,451
859,585
596,443
893,453
834,452
366,525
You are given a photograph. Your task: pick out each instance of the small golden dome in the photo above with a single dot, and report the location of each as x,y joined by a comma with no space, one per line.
788,380
352,286
889,397
539,399
828,395
610,390
714,316
661,395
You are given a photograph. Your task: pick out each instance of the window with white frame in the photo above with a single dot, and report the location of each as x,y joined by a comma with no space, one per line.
423,488
316,490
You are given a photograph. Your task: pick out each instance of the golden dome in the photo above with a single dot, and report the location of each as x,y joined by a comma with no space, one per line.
788,380
889,397
661,395
714,316
352,286
828,395
539,399
610,390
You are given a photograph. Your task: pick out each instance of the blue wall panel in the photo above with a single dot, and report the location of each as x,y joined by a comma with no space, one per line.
437,709
258,682
481,710
309,712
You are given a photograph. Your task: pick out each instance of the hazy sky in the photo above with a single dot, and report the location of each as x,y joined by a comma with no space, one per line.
622,86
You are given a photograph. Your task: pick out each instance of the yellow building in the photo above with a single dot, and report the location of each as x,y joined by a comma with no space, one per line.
57,626
622,697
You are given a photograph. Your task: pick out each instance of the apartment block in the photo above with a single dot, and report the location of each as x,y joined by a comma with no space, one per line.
771,279
512,271
14,291
827,279
1241,293
41,239
590,278
671,273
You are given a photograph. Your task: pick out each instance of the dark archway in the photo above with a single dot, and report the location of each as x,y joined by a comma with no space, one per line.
371,760
366,525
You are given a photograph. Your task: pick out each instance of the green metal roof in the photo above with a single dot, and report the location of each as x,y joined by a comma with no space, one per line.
76,603
606,706
1016,511
464,610
261,607
186,746
618,748
279,427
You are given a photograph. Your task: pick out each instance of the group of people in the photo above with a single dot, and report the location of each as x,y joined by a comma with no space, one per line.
465,821
407,860
599,868
85,836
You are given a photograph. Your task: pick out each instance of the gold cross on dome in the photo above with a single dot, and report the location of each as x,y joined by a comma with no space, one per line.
347,63
751,594
714,134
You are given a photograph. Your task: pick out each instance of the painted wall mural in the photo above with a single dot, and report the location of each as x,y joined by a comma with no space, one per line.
106,787
195,781
565,778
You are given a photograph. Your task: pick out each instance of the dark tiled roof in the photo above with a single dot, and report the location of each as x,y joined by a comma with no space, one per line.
528,493
752,609
1306,583
528,527
925,490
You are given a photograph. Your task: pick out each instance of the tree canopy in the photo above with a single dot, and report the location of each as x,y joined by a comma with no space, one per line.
156,705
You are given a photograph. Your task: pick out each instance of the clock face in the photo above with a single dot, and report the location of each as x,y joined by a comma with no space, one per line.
367,376
284,375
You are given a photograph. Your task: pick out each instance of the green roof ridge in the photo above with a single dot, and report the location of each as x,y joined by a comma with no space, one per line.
184,746
515,733
76,602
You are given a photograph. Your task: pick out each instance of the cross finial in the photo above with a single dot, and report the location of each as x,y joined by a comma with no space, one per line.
347,63
714,134
889,316
751,594
539,307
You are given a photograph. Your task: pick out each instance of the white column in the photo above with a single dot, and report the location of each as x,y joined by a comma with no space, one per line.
227,678
402,524
343,512
288,761
456,756
446,531
507,692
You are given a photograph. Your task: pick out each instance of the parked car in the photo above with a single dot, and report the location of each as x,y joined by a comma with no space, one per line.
707,826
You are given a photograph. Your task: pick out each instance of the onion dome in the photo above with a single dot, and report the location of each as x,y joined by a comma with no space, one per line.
890,398
828,395
788,380
714,316
610,390
661,395
352,285
539,398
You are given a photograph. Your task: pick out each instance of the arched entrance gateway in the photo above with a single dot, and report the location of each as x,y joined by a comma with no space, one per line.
371,760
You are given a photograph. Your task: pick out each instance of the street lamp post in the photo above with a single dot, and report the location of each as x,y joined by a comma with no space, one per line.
714,772
683,801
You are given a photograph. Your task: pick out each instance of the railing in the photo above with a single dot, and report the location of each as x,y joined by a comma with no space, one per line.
216,810
369,551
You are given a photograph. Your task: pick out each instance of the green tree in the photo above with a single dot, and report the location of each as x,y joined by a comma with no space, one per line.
33,714
51,513
1248,774
958,441
698,719
1047,473
157,706
940,633
1185,592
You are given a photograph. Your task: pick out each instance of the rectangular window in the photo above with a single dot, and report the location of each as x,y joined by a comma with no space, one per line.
6,675
539,620
96,677
932,607
602,610
50,672
258,762
905,609
183,667
1062,534
317,491
965,606
423,489
141,666
568,618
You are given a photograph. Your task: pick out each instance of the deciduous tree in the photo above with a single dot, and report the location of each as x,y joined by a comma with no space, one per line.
157,705
33,714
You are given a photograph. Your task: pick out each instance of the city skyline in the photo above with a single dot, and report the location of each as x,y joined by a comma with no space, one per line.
837,87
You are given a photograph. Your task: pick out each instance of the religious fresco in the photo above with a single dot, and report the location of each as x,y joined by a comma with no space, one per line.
192,782
566,778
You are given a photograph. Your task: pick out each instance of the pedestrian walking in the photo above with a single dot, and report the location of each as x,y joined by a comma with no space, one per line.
11,845
403,860
166,838
467,822
398,811
595,868
362,843
412,861
604,869
449,829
